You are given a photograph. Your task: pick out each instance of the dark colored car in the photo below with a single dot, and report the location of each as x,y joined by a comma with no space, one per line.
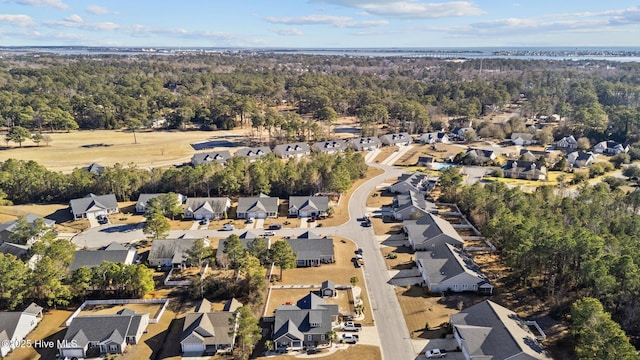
275,226
359,251
313,351
366,224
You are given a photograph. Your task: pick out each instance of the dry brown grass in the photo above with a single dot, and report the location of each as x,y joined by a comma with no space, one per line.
367,352
385,152
379,198
386,227
405,259
51,328
108,309
419,309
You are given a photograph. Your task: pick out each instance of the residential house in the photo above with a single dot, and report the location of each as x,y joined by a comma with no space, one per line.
521,139
171,252
610,148
579,159
257,207
304,206
312,250
329,147
17,250
94,169
16,325
529,170
328,289
207,332
444,267
206,208
143,199
219,157
115,253
533,155
92,206
567,142
416,182
287,151
304,324
114,333
408,206
428,230
400,139
365,143
254,153
10,227
490,331
460,133
434,137
481,156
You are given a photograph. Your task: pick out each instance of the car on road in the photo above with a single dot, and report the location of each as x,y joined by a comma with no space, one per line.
435,354
269,233
359,251
228,227
366,224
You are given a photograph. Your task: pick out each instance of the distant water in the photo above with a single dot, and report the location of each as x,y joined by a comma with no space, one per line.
619,54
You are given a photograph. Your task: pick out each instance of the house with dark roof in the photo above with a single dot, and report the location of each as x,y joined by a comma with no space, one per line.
304,323
115,253
287,151
112,336
428,230
416,182
567,142
143,199
206,208
434,137
171,252
304,206
481,156
94,169
579,159
533,155
92,206
312,250
219,157
444,267
257,207
407,206
208,332
490,331
401,139
16,325
610,148
365,143
329,147
10,227
17,250
253,153
529,170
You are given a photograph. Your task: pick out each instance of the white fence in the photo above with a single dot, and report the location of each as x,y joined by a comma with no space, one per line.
155,320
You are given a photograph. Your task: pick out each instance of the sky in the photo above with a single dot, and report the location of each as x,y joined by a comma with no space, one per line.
320,23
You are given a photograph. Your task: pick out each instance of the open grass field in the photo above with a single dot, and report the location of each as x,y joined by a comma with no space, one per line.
107,147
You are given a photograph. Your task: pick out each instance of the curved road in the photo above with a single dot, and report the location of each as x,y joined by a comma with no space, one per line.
392,329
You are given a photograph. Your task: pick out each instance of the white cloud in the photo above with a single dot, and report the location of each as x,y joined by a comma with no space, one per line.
16,20
98,10
75,18
52,3
337,21
411,9
288,31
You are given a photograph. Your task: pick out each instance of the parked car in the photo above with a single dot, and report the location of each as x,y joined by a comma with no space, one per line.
359,251
436,354
312,351
204,222
228,227
102,220
366,223
350,326
349,338
275,226
248,221
311,219
269,233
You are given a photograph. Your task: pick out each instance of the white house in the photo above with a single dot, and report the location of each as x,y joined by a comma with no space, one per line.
434,137
521,139
16,325
567,142
610,148
207,332
401,139
206,208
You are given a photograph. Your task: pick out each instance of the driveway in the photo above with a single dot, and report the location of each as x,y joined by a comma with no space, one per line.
93,222
259,223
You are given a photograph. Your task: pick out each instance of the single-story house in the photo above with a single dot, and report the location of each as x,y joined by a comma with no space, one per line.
305,323
407,206
115,252
610,148
311,250
287,151
143,199
567,142
533,155
401,139
529,170
482,155
434,137
219,157
459,133
430,229
206,208
444,267
253,153
94,169
521,139
112,335
207,332
303,206
329,147
16,325
365,143
92,206
9,227
171,252
579,159
416,182
489,331
17,250
257,207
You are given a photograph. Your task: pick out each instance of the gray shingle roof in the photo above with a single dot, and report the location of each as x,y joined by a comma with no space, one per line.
171,248
309,203
413,199
93,202
392,139
91,258
257,204
307,249
114,328
94,168
254,152
431,227
444,261
495,332
215,204
16,250
209,157
208,328
10,226
294,149
329,146
295,320
365,142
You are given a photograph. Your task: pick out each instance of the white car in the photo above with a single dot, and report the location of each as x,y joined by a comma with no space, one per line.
228,227
435,354
269,233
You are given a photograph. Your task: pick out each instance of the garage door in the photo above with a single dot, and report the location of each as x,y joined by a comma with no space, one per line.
302,214
262,216
192,348
70,353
